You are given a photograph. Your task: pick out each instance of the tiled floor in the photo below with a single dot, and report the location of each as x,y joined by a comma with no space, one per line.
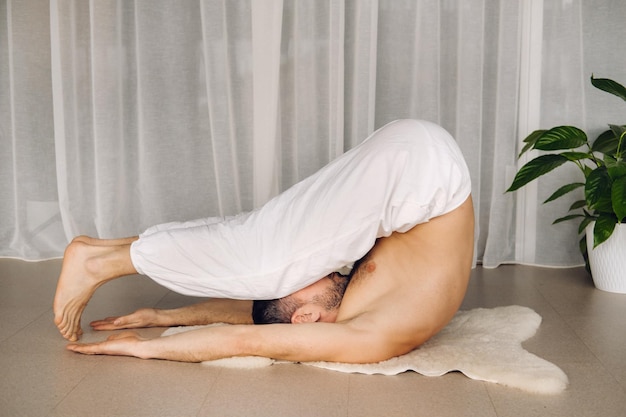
583,332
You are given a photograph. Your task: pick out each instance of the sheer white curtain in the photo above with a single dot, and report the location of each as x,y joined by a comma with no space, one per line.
115,115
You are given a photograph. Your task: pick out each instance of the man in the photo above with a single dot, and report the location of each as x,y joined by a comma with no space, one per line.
402,197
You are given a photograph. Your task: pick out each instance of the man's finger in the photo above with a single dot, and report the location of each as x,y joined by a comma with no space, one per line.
117,344
114,323
105,320
84,348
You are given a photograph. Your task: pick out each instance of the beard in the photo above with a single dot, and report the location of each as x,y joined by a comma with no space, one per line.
331,298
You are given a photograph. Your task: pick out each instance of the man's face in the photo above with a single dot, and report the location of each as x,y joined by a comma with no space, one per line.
324,296
332,293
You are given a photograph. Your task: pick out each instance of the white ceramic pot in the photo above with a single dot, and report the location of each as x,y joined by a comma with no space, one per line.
608,260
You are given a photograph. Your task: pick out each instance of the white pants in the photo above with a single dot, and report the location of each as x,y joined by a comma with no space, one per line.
404,174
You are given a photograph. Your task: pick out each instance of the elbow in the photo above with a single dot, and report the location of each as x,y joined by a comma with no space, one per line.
396,346
380,350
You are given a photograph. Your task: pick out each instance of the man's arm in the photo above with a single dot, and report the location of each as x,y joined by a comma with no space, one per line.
206,312
339,342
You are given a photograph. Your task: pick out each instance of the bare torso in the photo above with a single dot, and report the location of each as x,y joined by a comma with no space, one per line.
411,284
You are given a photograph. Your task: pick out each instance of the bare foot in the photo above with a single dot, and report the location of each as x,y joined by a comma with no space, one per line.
85,268
75,287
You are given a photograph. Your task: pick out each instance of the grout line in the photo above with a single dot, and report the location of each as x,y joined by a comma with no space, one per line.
348,396
493,404
207,396
161,299
574,330
18,331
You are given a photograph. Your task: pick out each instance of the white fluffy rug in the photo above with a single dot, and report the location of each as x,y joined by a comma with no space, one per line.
483,344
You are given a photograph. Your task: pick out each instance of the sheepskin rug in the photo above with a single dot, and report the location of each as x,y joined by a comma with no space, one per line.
484,344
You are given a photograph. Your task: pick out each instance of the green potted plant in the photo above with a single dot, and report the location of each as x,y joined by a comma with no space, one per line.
603,170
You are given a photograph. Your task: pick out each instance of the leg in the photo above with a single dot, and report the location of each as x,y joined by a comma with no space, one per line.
86,266
104,242
207,312
404,174
71,290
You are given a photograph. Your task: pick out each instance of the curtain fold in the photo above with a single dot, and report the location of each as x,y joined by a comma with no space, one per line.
30,225
116,115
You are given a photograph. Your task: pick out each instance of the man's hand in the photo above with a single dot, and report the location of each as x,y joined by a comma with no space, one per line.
205,312
144,317
122,344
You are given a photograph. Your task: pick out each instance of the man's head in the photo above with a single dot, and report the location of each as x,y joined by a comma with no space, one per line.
318,302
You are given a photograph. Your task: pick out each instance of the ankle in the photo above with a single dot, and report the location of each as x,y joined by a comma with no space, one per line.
94,265
89,256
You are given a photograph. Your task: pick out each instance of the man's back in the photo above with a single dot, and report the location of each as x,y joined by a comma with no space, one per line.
411,284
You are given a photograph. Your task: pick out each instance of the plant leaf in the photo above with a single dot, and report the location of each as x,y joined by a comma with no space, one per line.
578,204
566,218
618,130
606,143
584,223
564,190
598,190
605,224
536,168
530,141
525,149
561,137
532,138
618,197
615,168
609,86
582,246
576,156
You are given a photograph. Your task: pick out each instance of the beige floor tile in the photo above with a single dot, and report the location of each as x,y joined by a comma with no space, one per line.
591,393
8,409
22,304
278,390
410,394
135,388
35,378
607,340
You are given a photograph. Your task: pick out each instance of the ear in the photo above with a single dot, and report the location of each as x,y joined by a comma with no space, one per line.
308,313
